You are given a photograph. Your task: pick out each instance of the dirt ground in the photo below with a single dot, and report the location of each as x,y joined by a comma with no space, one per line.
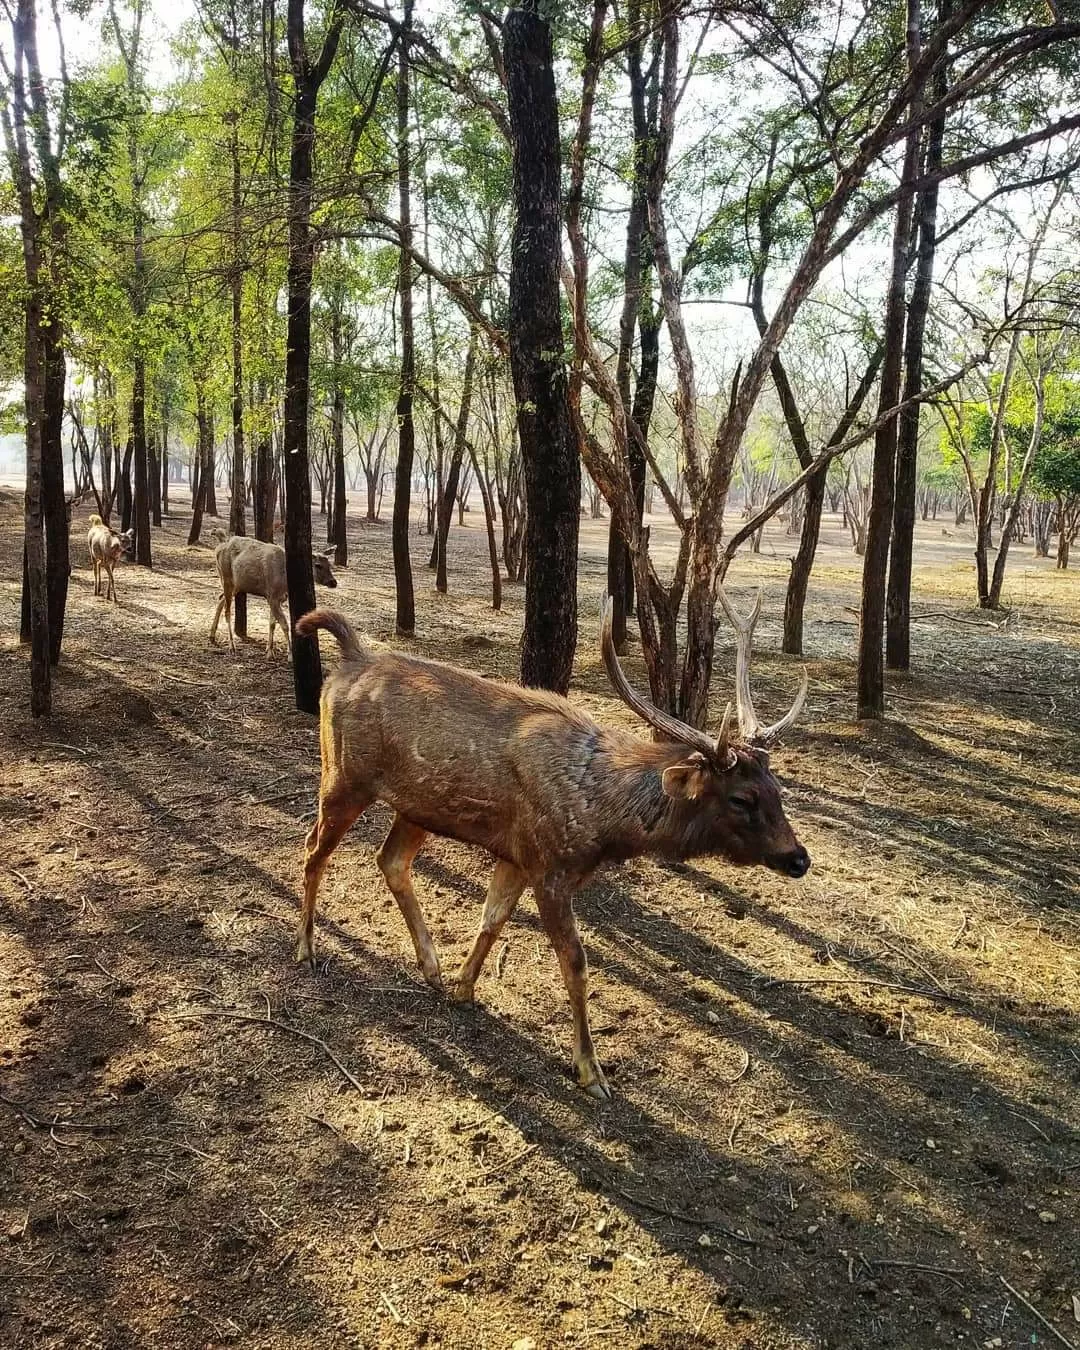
847,1109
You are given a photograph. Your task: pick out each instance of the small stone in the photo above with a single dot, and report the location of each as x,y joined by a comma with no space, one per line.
704,1240
20,1146
931,1143
1047,1216
712,1018
993,1343
603,1225
813,1228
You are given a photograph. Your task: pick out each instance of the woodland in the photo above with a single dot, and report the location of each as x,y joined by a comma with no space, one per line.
509,311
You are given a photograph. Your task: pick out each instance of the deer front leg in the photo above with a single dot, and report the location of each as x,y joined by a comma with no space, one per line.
554,898
338,808
504,891
395,860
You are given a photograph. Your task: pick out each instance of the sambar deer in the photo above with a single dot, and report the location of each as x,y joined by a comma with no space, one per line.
258,568
529,777
105,549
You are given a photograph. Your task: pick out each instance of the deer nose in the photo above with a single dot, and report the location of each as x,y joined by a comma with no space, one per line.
798,863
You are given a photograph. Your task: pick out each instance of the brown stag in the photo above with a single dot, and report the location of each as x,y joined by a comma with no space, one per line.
529,777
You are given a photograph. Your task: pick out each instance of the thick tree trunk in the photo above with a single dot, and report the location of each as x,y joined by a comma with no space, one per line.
127,499
871,673
898,597
307,668
307,78
548,445
403,579
54,503
199,489
142,496
210,469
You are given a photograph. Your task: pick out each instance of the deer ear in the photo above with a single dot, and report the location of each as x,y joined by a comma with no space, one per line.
687,781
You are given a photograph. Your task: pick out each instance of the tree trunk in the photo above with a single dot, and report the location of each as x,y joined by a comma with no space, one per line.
126,497
548,444
898,598
54,503
489,525
142,496
202,452
457,454
403,579
164,466
871,674
154,478
307,78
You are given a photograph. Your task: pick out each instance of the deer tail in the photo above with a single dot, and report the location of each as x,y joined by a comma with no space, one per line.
335,623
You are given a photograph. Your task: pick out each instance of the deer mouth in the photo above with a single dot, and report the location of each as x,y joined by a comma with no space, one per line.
794,864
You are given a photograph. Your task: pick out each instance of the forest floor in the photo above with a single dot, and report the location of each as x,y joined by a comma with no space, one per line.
846,1112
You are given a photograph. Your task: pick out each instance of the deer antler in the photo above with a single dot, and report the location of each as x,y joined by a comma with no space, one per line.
750,729
717,752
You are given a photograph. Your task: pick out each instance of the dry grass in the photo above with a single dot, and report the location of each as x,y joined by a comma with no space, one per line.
846,1108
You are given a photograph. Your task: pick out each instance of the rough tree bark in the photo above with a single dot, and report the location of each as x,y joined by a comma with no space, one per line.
548,444
898,596
871,672
308,76
405,621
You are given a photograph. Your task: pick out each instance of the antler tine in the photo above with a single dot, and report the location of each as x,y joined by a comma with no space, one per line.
724,752
749,726
667,725
770,735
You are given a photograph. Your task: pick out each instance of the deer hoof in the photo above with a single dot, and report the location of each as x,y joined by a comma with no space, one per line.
305,954
590,1076
461,991
433,975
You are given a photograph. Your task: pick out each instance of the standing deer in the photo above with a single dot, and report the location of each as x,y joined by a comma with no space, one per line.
527,776
105,549
258,568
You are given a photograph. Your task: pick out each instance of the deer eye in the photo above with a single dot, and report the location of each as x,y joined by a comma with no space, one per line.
747,805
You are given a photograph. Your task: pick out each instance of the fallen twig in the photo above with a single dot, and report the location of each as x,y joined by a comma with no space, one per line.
917,1265
1036,1313
655,1208
280,1026
38,1123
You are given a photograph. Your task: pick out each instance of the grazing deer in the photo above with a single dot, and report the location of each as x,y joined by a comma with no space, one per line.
105,549
258,568
527,776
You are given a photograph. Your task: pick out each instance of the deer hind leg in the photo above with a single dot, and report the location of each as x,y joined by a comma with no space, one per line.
557,916
277,615
395,860
226,601
339,807
97,575
217,617
504,891
110,593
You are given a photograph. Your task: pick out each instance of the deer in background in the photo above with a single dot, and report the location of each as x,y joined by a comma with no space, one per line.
258,568
105,549
529,777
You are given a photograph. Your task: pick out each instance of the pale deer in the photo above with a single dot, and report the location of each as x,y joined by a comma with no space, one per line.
105,549
258,568
529,777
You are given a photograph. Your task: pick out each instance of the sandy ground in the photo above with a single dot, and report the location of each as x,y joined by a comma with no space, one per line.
846,1109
